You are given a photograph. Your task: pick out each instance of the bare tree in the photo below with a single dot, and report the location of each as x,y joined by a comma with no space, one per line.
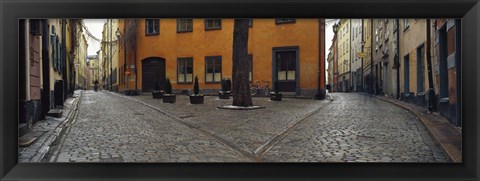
129,41
241,86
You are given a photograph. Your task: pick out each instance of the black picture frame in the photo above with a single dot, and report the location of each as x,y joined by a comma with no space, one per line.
11,11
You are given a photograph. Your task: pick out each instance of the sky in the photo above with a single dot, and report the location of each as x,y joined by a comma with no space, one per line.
328,40
95,26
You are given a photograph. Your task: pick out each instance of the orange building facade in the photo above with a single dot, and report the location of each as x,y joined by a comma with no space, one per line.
288,50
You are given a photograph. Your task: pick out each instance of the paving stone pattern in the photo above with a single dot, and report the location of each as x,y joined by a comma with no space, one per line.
353,128
112,129
357,128
248,129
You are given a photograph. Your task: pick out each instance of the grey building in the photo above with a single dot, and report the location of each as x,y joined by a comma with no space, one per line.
355,48
384,70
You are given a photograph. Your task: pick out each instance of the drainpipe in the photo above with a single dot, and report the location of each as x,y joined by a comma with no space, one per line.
350,56
321,28
363,45
64,59
398,58
371,59
431,93
111,76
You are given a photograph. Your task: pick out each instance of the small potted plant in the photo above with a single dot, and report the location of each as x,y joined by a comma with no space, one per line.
168,97
276,96
196,98
225,92
157,93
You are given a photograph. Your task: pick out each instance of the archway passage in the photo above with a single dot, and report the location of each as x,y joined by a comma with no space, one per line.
153,69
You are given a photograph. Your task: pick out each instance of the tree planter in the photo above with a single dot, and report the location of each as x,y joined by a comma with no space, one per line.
157,94
196,99
224,94
169,98
276,96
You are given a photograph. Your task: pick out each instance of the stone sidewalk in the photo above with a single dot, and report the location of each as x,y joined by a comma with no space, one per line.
46,132
445,134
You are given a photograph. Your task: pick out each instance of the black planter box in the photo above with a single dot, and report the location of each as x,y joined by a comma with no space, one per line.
169,98
196,99
276,97
224,95
157,94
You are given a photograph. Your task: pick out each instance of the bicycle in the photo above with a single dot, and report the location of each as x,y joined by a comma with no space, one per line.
256,86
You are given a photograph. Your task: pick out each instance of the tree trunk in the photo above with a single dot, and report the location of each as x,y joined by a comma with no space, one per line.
241,86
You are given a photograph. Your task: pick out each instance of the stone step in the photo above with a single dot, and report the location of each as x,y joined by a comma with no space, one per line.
55,113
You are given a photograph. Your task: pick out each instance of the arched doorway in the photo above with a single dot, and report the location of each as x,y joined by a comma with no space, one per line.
153,68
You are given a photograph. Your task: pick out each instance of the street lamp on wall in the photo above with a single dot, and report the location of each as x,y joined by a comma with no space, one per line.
335,28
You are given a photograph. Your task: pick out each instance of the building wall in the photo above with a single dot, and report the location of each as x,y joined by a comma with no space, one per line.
356,47
343,37
384,55
110,53
447,104
367,61
80,59
264,35
410,40
30,106
335,63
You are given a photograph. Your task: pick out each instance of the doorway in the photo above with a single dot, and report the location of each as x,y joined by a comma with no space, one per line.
285,69
153,69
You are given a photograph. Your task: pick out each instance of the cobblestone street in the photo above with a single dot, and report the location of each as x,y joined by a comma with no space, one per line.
111,127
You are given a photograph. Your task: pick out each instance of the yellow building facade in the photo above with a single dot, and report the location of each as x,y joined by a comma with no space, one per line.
81,62
287,50
343,37
108,58
367,61
413,64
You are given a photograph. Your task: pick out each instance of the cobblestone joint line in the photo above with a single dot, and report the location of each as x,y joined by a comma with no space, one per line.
64,132
418,115
222,141
53,139
261,150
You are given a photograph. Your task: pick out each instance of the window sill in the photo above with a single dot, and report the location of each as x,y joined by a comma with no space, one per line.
151,34
184,31
286,22
209,29
184,83
213,82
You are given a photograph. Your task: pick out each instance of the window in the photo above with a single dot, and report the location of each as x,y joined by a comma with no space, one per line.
184,25
250,67
213,24
213,69
35,27
286,64
284,20
185,70
406,24
152,27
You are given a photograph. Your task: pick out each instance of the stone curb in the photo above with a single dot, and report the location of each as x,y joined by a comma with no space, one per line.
55,134
453,154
